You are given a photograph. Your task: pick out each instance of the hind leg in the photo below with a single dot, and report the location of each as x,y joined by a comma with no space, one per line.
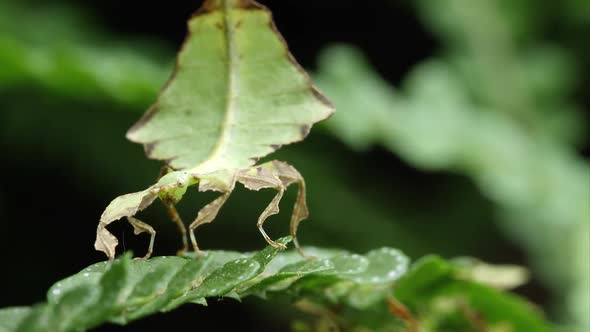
277,175
271,209
289,175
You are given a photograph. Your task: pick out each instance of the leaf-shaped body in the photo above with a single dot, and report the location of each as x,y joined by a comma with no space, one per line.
236,95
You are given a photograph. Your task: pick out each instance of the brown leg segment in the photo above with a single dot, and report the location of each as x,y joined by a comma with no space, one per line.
289,175
141,227
271,209
206,215
277,175
173,214
300,213
175,217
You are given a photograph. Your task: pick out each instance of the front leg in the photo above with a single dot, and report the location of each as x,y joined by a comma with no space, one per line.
206,215
175,217
173,213
141,227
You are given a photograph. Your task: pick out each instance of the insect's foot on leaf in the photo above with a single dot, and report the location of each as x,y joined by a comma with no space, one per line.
306,256
300,250
198,252
277,245
182,251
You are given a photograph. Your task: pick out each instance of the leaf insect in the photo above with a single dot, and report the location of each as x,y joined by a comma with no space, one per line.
236,95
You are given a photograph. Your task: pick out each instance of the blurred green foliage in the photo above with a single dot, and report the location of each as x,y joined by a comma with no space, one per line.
495,105
541,188
62,53
491,123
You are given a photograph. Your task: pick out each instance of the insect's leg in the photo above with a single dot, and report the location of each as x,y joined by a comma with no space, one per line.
206,215
257,178
175,217
300,213
289,175
105,241
141,227
271,209
173,214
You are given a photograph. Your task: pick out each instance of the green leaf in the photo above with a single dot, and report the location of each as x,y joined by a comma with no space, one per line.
11,318
74,57
236,94
434,123
124,290
433,286
356,287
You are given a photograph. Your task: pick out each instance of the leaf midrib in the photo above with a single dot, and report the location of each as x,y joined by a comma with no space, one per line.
231,94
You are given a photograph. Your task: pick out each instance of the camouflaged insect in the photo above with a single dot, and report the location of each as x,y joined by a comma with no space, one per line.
235,96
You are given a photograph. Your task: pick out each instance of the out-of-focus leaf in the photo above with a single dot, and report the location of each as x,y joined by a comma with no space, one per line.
433,284
539,183
11,318
60,52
